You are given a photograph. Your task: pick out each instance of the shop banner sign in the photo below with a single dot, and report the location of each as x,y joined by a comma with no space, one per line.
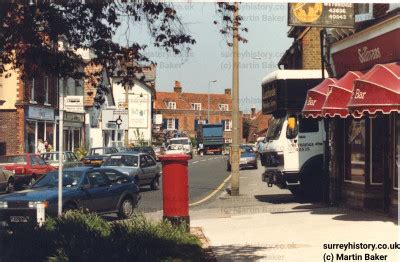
331,15
379,50
73,104
115,119
74,117
41,113
139,110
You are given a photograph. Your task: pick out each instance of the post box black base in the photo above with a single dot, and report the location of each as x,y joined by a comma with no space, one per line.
177,221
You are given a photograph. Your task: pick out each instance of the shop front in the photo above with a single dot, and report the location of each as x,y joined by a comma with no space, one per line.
363,108
74,130
39,124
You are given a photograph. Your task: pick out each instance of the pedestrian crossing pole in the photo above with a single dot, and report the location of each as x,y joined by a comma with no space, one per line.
235,148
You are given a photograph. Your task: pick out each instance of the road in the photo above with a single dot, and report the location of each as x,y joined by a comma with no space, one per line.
205,175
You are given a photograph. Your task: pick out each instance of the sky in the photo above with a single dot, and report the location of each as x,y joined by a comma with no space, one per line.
211,59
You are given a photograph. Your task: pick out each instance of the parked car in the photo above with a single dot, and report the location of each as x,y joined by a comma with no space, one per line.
142,149
248,158
101,190
29,166
97,155
69,159
8,180
175,149
143,167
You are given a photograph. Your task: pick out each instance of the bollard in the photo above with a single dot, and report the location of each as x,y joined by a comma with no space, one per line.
175,189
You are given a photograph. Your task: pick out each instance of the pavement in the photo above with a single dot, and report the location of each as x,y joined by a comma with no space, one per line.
268,224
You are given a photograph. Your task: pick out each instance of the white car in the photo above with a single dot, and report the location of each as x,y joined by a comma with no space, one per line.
175,149
182,143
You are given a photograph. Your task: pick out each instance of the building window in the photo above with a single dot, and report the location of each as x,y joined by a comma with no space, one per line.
196,106
46,90
170,124
171,105
396,153
227,125
33,90
228,140
356,144
223,107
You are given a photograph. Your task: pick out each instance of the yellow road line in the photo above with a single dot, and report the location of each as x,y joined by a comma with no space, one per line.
212,193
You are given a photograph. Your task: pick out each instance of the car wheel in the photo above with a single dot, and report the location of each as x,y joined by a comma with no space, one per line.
228,167
126,209
155,183
256,166
10,186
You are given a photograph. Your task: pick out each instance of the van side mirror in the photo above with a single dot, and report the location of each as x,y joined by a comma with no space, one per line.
291,130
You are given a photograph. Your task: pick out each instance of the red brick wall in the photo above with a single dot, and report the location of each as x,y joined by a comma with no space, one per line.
311,49
9,132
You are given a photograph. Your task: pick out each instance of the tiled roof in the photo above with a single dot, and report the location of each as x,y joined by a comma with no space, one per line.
184,100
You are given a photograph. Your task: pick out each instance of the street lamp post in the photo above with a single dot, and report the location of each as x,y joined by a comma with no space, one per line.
208,107
61,83
235,153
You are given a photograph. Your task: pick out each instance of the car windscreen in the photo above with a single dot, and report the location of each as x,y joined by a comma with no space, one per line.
97,151
122,160
13,159
179,142
275,128
51,156
70,179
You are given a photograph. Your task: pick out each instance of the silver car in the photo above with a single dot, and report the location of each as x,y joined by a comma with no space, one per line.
143,167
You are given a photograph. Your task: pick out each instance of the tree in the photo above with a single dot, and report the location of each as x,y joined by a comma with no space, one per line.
30,35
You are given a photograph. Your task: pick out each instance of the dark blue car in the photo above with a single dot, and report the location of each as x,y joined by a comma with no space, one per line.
100,190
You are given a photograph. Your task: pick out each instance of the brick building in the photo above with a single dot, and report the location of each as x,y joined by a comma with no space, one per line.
183,112
27,112
257,125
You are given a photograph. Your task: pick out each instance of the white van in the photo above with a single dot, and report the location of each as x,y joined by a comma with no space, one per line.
182,143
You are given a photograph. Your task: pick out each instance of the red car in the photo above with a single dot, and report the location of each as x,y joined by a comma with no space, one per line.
30,165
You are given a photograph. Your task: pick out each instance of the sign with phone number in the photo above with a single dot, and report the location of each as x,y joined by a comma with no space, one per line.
340,15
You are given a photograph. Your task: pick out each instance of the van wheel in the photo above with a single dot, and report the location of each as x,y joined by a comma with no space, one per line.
10,185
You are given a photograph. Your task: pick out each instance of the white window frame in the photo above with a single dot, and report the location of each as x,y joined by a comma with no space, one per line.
196,106
171,105
228,141
365,16
228,125
202,121
223,107
46,89
171,122
32,98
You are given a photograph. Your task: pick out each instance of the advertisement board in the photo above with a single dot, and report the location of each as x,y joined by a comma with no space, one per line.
74,104
339,15
139,110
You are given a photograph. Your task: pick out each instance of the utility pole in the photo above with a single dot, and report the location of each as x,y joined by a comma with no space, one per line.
235,148
61,84
208,107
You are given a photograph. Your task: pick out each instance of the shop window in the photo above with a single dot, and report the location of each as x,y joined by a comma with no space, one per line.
377,151
356,146
50,134
77,138
397,153
33,98
46,90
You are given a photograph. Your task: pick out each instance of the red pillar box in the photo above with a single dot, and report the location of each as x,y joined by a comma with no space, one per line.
175,188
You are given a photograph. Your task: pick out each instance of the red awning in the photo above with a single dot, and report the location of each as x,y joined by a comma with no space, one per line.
377,91
339,95
316,98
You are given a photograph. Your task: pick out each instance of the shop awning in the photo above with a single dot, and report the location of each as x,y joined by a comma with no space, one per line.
339,95
316,98
377,91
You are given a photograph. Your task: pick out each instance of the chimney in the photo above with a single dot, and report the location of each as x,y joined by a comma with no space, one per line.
228,91
253,112
177,87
